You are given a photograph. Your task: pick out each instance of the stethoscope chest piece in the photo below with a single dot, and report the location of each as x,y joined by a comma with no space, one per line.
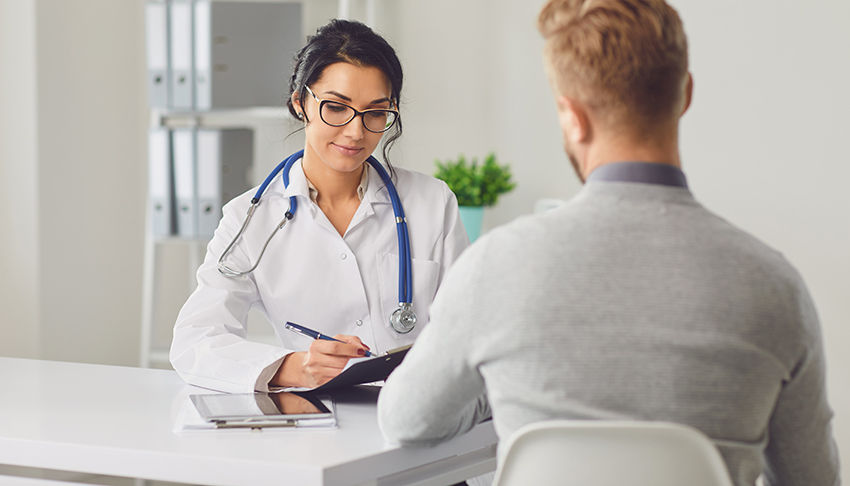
403,319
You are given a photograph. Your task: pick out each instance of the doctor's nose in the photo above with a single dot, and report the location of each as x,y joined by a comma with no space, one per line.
354,129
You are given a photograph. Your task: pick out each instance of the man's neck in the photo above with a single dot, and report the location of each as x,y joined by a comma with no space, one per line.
663,149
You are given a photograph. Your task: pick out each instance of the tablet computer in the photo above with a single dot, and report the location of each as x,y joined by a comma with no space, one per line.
265,409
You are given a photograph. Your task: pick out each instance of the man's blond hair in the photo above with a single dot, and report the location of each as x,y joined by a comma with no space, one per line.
626,60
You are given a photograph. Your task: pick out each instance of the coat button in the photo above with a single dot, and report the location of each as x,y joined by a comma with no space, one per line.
343,256
358,322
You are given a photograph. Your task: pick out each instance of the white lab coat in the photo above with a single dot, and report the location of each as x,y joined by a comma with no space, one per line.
312,276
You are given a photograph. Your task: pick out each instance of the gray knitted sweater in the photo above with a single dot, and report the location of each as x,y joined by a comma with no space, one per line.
630,302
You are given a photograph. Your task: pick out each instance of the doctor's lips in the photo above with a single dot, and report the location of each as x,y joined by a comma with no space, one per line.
346,150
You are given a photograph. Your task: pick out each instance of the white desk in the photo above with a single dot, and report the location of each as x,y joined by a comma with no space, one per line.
119,421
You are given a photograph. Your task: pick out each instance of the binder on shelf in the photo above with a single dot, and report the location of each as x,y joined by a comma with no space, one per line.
183,144
223,160
160,189
242,52
156,39
180,51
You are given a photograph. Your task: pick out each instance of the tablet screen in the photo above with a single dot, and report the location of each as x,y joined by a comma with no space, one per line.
243,406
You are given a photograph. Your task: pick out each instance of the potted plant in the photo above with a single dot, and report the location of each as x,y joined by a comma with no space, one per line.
475,186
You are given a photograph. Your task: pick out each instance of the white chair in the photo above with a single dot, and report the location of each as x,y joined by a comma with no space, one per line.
610,453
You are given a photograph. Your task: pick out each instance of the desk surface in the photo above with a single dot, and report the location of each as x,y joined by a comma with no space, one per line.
120,421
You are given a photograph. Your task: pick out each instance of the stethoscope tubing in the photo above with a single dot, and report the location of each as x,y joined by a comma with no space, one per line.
405,290
405,277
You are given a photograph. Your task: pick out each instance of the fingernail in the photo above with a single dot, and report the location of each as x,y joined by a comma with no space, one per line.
361,352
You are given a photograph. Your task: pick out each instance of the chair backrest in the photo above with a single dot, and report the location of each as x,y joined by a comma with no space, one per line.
610,453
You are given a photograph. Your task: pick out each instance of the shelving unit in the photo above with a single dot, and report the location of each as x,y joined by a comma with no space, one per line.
270,125
256,119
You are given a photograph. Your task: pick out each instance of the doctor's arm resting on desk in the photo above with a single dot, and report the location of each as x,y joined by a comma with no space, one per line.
348,233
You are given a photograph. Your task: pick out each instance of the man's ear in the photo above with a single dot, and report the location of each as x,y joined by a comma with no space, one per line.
689,92
575,123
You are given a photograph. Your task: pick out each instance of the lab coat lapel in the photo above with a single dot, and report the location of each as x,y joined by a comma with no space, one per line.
298,187
376,193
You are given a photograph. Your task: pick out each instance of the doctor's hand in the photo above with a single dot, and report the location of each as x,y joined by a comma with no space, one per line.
323,361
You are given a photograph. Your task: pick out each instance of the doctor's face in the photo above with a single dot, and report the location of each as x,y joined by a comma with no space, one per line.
344,148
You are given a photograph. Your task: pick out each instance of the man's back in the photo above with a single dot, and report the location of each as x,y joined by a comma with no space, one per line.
635,302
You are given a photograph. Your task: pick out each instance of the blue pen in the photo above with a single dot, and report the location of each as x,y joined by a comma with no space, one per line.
306,331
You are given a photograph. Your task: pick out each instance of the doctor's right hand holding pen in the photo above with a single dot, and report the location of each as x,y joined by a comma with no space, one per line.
326,358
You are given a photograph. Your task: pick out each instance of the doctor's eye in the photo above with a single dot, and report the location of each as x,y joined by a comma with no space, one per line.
336,114
378,121
336,107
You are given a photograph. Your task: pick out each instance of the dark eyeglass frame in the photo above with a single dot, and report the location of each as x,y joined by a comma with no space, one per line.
357,113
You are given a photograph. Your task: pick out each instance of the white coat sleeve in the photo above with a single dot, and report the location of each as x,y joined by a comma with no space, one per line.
209,347
454,238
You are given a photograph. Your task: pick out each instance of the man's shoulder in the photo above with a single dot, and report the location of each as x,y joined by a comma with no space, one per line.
742,244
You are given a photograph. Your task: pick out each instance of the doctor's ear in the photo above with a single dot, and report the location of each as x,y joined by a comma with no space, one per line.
296,105
574,119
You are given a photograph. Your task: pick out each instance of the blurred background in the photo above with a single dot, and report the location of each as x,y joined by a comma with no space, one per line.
764,145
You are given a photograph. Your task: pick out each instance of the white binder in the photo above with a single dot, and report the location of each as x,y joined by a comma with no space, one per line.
203,55
224,158
180,50
243,52
159,182
183,143
156,39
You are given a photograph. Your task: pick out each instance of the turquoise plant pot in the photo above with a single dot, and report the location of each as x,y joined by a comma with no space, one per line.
472,217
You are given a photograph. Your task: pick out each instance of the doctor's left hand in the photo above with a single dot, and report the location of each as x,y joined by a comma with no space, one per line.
316,366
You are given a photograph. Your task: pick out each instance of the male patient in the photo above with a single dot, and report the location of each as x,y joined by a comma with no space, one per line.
632,301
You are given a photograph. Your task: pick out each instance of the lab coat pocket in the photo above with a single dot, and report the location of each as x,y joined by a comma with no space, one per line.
425,276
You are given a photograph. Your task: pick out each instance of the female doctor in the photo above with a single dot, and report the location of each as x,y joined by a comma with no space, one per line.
334,263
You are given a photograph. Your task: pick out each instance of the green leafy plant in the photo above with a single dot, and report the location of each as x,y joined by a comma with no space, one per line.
475,184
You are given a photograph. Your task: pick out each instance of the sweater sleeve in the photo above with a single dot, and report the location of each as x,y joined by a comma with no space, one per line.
800,446
437,392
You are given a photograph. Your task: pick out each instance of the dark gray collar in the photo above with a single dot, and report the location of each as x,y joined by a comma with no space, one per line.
642,172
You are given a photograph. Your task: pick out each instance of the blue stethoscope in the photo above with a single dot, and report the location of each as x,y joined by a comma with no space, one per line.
402,319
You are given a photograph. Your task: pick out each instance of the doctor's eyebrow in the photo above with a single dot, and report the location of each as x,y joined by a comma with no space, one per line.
346,98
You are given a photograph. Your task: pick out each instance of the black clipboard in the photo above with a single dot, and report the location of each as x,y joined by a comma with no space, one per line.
364,370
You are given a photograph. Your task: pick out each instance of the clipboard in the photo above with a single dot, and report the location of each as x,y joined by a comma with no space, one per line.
363,370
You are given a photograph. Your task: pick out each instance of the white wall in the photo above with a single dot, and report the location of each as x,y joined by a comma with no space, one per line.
73,178
19,266
474,83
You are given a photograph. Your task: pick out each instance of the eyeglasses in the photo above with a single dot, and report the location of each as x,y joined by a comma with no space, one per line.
338,114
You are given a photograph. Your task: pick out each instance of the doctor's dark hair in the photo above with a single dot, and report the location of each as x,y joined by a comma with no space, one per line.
354,43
